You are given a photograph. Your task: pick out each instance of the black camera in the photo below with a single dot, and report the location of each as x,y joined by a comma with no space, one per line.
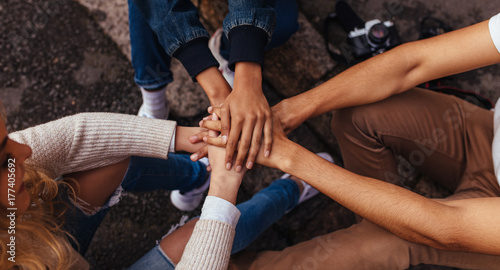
366,38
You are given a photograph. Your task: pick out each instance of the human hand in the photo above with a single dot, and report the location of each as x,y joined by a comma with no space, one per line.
190,139
246,117
224,184
290,116
281,144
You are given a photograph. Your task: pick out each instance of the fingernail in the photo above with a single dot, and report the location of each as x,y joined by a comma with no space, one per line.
267,153
228,166
201,123
238,168
193,138
205,139
209,109
249,165
214,116
194,157
224,139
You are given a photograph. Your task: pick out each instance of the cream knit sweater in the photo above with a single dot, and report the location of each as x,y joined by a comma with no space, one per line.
92,140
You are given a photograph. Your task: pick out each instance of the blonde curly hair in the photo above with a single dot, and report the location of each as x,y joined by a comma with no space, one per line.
41,243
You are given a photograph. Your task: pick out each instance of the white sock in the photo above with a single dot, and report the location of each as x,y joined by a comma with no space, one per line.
154,102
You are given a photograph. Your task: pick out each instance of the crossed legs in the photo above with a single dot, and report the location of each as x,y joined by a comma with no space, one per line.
441,136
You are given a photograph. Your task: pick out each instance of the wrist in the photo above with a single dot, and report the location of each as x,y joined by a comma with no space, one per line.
287,156
224,186
173,141
178,139
288,117
214,85
247,74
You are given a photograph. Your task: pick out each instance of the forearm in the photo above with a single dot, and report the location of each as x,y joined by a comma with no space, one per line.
395,71
214,85
209,246
90,140
248,77
404,213
224,186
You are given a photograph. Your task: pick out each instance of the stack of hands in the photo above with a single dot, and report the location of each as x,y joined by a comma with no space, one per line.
226,177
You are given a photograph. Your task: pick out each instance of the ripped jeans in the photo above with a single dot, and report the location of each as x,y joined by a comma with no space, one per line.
143,174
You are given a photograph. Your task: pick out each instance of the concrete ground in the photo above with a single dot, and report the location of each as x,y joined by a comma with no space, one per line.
61,57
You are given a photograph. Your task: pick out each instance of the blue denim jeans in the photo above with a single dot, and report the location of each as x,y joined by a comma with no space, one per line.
287,15
151,54
257,214
179,172
143,174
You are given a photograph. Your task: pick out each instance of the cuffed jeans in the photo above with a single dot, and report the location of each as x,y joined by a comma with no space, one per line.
442,136
151,62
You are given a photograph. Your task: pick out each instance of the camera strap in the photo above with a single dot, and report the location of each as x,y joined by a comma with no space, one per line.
331,20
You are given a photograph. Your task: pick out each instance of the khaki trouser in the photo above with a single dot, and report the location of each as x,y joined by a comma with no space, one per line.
442,136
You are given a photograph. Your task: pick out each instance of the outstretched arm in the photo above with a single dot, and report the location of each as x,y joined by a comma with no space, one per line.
209,247
246,117
393,72
463,225
87,141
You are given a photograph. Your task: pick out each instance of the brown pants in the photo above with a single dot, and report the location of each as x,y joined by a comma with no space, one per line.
442,136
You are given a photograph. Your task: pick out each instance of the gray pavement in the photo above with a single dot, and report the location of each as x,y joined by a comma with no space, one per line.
62,57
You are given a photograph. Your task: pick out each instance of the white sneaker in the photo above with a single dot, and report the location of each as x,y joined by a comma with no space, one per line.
159,114
214,45
188,201
308,192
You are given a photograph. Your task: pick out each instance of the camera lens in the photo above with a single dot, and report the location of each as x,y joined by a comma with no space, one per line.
378,33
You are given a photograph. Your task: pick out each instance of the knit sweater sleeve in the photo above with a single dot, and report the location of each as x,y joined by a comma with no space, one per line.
91,140
209,246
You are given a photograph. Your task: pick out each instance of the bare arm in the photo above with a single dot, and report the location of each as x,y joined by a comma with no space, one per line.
209,247
214,85
393,72
465,225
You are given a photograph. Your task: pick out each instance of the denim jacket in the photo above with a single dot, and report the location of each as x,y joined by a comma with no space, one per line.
248,25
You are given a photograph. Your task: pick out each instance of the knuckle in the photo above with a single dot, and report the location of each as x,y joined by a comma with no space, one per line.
252,154
268,145
253,117
244,147
231,144
240,160
257,140
238,118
